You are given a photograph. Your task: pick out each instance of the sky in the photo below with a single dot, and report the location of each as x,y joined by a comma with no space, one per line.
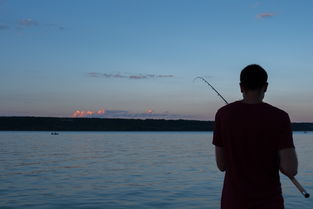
139,58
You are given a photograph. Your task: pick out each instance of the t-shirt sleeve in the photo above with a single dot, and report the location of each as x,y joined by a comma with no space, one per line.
285,135
217,136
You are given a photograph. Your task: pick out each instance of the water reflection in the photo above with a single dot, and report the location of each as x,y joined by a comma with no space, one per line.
122,170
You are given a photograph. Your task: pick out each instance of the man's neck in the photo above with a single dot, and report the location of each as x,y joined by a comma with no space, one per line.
252,101
252,97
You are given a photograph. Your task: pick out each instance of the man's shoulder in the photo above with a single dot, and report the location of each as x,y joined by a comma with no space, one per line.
228,108
275,110
267,108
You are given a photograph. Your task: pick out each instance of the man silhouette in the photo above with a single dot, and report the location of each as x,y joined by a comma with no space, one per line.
253,141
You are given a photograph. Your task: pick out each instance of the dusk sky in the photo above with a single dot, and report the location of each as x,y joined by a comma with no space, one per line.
139,58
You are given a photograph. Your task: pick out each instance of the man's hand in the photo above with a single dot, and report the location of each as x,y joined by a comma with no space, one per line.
220,158
288,162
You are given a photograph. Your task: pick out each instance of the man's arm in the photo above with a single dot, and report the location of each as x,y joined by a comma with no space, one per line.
288,163
220,158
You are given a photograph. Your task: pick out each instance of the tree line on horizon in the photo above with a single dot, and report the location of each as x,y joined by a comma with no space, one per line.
104,124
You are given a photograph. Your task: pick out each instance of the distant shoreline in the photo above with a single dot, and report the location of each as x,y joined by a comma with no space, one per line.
112,124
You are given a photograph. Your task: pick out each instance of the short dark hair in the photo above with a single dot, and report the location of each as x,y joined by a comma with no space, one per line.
253,77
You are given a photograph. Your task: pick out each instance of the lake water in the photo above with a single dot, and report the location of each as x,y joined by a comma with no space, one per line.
123,170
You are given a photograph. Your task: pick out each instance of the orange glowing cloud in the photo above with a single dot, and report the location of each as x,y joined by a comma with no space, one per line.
102,111
84,113
149,111
107,113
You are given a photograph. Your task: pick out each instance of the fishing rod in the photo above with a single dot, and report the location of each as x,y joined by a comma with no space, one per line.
292,179
203,79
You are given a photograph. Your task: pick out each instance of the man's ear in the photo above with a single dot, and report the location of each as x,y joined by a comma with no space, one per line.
241,88
265,86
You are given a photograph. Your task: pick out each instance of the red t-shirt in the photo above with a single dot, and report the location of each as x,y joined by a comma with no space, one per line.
252,135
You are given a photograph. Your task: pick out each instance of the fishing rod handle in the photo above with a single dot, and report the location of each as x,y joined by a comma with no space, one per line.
300,188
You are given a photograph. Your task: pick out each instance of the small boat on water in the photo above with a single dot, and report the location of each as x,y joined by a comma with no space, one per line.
54,133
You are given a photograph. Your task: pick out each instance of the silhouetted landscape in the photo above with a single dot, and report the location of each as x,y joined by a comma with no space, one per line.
101,124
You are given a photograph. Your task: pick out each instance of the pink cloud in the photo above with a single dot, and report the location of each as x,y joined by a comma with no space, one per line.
102,113
86,113
264,15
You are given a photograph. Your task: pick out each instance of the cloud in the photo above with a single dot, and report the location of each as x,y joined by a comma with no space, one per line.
264,15
164,76
59,27
102,113
4,27
27,22
86,113
127,76
149,111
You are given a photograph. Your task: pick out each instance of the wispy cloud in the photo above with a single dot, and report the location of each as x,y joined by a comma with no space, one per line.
102,113
27,22
264,15
59,27
4,27
128,76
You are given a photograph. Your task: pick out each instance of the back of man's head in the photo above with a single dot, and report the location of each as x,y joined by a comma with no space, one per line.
253,77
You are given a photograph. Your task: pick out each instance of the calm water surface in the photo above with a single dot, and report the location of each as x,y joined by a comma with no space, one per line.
123,170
